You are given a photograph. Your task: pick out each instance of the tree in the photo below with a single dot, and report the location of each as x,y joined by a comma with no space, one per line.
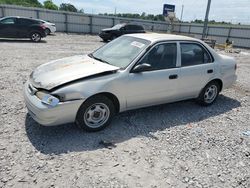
138,16
68,7
81,11
48,4
27,3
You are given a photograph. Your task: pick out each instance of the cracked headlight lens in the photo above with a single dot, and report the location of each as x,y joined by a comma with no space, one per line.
50,100
41,94
46,98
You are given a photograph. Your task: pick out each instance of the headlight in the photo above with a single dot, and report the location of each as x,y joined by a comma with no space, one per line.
46,98
41,94
50,100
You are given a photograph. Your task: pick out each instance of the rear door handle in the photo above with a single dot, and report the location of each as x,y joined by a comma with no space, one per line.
174,76
210,71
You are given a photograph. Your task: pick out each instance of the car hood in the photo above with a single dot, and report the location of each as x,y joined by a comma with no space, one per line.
58,72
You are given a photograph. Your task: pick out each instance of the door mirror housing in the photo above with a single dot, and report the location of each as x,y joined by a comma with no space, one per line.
141,68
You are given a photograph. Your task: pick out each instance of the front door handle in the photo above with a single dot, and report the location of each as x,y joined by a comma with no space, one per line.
210,71
174,76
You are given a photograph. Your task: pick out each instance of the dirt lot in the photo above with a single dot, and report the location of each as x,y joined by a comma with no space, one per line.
172,145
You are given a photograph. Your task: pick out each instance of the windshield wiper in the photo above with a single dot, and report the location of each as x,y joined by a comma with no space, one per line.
99,59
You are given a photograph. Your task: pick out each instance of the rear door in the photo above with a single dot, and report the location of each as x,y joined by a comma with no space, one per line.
7,27
197,68
23,26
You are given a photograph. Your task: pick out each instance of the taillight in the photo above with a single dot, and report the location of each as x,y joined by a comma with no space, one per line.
43,26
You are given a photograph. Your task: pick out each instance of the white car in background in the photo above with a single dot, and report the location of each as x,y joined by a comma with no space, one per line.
130,72
50,27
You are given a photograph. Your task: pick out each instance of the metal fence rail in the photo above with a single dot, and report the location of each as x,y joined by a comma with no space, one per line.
239,34
77,22
87,23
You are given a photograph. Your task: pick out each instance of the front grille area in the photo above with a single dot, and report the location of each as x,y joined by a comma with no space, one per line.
32,90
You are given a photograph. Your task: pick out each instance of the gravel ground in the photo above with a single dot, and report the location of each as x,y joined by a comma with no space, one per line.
172,145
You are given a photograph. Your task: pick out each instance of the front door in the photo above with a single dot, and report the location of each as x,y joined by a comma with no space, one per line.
7,27
158,85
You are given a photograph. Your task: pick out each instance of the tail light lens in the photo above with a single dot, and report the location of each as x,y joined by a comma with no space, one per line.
43,26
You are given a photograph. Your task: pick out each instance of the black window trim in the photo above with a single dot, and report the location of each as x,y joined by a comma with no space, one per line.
150,47
202,46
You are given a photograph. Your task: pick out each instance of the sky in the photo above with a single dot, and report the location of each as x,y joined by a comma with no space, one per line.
221,10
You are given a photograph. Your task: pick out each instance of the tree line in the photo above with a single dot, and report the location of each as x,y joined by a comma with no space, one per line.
143,16
48,4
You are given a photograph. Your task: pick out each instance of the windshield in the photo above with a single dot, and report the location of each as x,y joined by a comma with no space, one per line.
121,52
118,26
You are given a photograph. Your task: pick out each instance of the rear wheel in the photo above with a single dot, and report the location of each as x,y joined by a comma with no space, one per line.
209,94
47,31
95,114
35,37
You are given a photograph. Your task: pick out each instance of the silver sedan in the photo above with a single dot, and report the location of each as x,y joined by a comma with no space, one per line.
133,71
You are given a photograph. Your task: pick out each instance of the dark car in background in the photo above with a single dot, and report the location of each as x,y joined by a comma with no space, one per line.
120,29
20,27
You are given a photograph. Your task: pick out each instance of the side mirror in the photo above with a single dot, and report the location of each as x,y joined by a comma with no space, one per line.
141,68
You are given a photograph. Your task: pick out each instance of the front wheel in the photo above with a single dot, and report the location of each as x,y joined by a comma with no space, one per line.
209,94
95,114
35,37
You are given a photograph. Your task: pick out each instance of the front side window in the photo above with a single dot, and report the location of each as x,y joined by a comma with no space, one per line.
193,54
8,21
121,52
162,56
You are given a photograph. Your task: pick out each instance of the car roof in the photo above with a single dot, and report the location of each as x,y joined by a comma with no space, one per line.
18,17
155,37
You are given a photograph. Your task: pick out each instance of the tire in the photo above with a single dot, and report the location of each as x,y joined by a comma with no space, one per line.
35,37
47,31
209,94
95,114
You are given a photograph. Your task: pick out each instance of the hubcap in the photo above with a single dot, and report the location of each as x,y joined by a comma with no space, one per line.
96,115
210,94
35,37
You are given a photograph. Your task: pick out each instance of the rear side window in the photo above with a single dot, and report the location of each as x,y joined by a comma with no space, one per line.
134,27
8,21
26,22
194,54
129,27
138,27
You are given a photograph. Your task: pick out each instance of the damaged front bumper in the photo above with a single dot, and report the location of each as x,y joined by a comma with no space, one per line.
63,112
